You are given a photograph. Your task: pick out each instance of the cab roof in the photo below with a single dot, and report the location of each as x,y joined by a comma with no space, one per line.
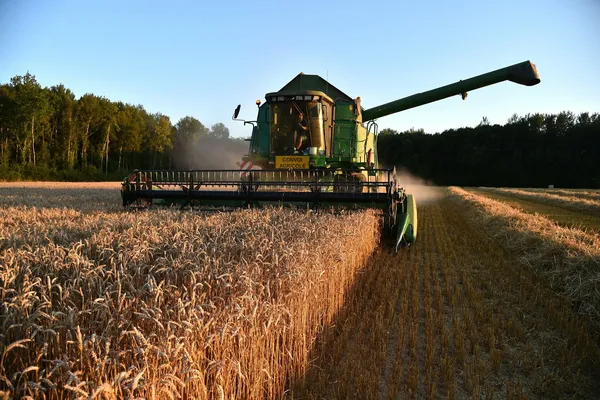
304,82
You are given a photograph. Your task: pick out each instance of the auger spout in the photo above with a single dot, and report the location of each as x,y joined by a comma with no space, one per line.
524,73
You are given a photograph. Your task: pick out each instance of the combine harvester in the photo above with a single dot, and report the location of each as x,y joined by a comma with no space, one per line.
316,146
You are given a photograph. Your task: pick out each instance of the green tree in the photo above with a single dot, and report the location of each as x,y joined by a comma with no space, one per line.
31,105
8,112
189,133
63,120
484,121
219,131
109,118
190,130
160,138
89,118
388,131
131,122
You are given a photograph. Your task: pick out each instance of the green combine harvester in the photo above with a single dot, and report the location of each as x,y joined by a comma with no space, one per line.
315,146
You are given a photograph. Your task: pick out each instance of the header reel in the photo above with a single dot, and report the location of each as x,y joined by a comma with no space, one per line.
312,188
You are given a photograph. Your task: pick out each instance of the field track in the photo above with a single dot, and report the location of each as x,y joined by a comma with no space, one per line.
561,215
456,315
580,193
572,202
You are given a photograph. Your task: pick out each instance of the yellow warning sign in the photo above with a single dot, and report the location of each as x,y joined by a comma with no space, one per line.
291,162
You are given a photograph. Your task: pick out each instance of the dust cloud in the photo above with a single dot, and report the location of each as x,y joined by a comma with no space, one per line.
211,153
423,190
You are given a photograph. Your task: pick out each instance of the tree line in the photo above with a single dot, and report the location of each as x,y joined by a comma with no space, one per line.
47,133
534,150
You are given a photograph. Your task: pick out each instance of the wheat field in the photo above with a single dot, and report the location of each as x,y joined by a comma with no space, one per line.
491,302
164,303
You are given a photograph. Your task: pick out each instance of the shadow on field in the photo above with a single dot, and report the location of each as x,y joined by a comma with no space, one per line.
335,369
350,357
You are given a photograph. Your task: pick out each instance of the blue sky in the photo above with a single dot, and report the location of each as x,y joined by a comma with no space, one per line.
202,58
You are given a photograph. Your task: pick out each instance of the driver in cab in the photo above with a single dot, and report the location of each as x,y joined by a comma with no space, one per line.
302,140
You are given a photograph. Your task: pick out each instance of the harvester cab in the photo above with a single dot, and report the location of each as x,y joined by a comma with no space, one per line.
315,146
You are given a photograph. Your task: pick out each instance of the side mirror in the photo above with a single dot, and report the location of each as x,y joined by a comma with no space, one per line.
237,111
325,113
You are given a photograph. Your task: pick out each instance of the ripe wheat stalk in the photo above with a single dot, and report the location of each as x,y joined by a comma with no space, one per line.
161,304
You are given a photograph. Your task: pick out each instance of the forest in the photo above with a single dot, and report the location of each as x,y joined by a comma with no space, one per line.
47,133
535,150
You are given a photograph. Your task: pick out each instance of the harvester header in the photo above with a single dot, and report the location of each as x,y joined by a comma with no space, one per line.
314,146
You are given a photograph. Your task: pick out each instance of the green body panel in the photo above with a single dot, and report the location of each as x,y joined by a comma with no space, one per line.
407,222
411,210
263,144
402,223
345,132
260,145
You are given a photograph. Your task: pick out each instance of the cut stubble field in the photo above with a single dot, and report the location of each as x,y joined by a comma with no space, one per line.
278,303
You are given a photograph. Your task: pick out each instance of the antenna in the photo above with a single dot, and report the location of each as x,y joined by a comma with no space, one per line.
326,80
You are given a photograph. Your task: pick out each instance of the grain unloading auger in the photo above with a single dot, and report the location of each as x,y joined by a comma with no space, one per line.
314,146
